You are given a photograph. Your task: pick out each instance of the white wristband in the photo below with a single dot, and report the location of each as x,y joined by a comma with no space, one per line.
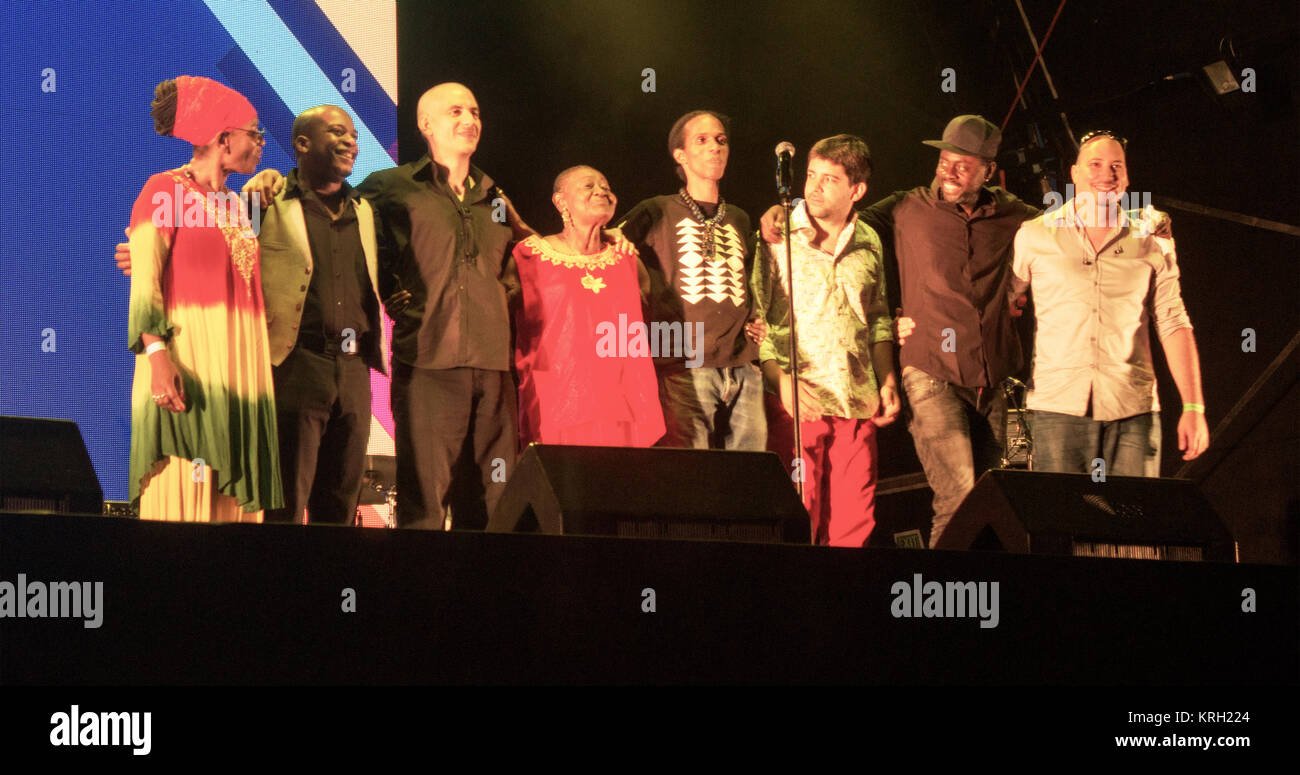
155,347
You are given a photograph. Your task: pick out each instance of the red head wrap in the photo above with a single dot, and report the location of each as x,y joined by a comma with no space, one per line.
205,108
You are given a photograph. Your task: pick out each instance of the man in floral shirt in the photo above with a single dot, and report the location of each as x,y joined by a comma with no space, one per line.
847,385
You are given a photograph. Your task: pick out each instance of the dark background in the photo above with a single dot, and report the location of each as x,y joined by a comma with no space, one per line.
559,83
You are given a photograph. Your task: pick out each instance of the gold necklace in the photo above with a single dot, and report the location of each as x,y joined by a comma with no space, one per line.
551,254
242,249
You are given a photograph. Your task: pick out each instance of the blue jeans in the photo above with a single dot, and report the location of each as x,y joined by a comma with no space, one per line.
1068,444
959,433
709,408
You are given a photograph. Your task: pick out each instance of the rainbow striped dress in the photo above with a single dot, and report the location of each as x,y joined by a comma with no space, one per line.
196,283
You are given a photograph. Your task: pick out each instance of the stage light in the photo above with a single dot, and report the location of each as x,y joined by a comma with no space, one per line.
1221,78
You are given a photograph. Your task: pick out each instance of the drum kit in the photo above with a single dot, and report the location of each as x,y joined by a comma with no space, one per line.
378,504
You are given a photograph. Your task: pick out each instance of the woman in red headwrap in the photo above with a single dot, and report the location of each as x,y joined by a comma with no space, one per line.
203,432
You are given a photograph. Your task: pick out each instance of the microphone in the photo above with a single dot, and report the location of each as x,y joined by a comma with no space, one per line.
784,170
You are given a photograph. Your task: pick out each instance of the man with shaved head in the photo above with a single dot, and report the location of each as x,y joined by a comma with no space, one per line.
452,390
320,281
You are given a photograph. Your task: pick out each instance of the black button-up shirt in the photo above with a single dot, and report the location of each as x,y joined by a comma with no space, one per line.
955,271
338,295
448,253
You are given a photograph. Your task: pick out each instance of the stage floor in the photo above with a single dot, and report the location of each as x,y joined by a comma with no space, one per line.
283,604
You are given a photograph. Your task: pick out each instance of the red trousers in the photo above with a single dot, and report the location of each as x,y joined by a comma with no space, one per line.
839,473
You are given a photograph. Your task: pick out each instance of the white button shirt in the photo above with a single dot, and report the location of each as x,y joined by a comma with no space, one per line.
1092,309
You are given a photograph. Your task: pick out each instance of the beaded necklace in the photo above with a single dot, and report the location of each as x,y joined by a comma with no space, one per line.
243,249
710,224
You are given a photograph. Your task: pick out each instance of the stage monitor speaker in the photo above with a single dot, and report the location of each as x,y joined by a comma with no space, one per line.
44,467
1035,512
652,493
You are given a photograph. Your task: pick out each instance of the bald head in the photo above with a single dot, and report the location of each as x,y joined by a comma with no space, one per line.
583,197
436,94
448,118
562,179
309,118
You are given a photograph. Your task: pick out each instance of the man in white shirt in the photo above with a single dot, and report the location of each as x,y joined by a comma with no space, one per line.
1096,270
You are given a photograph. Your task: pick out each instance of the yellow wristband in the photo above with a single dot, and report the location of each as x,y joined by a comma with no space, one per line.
1194,408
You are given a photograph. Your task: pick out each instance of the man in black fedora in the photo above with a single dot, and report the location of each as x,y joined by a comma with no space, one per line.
953,244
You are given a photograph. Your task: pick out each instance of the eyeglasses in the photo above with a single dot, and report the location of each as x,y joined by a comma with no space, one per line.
258,135
1094,134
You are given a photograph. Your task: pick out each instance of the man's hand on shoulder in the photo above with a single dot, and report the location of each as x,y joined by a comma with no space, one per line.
519,228
1157,223
772,225
619,240
267,184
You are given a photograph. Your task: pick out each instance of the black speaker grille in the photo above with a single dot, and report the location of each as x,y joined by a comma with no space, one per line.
1137,551
19,503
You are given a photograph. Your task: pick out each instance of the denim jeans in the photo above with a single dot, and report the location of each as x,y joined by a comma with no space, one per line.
1069,444
709,408
959,433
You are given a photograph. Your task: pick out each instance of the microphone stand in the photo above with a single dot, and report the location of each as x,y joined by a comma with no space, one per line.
1026,440
784,191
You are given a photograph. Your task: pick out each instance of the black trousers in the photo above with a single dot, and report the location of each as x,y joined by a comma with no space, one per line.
456,443
322,408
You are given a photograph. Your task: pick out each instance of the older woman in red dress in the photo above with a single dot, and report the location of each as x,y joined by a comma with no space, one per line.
574,293
203,433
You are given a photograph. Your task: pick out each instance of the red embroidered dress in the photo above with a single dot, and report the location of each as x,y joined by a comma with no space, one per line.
577,382
196,283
